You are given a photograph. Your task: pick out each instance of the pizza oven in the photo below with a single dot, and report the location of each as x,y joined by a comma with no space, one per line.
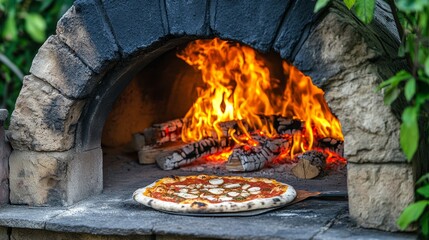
119,88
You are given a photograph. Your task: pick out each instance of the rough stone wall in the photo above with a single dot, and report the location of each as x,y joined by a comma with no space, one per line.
4,161
98,43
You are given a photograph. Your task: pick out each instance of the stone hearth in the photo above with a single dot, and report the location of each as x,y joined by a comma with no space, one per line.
56,128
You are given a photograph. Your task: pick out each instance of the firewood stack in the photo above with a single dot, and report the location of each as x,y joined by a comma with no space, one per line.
161,143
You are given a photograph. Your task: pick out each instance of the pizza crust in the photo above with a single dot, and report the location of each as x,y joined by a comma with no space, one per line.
204,206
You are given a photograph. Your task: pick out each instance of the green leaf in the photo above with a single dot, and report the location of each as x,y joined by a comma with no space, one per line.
35,26
411,5
424,191
45,5
349,3
10,31
410,89
425,225
409,134
391,94
411,214
427,66
320,4
423,179
364,10
395,80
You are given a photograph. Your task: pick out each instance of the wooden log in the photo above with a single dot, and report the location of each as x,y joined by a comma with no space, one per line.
245,158
149,154
310,164
190,152
332,144
160,133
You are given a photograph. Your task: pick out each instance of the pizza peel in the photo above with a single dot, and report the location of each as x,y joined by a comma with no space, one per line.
300,196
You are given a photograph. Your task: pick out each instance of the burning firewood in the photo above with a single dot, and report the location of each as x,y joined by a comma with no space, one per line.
332,144
310,164
190,152
246,158
159,133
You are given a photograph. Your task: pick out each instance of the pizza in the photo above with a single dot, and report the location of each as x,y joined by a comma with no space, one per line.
214,194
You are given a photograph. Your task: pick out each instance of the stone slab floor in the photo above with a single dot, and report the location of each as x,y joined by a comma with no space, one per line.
114,215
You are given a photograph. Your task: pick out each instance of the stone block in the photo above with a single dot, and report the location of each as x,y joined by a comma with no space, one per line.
84,30
43,119
4,235
178,237
252,22
370,128
191,23
335,45
4,160
378,193
296,25
60,67
35,234
136,24
54,178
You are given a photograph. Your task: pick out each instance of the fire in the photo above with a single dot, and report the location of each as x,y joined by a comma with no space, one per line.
239,87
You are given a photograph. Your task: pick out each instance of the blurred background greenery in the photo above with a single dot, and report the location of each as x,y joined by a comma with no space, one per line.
24,26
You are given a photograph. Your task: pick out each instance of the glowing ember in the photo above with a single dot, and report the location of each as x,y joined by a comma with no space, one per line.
239,87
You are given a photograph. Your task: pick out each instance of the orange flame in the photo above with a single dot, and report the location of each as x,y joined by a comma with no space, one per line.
239,87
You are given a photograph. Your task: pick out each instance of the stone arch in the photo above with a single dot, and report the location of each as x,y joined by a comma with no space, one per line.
56,127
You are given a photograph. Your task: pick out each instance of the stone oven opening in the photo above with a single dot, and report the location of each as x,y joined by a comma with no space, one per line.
213,105
66,121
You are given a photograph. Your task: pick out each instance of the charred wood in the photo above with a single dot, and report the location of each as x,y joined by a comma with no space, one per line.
332,144
246,158
310,164
190,152
163,132
149,154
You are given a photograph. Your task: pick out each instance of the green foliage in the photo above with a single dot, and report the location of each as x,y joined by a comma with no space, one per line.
24,25
413,19
418,211
364,10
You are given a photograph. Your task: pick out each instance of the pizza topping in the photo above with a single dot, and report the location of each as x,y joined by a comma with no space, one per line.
187,195
254,189
213,189
233,194
225,198
194,191
216,181
244,194
232,185
216,191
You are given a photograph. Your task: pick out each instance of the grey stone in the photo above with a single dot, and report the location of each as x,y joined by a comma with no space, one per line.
3,115
371,130
295,26
252,22
60,67
378,193
187,17
84,30
335,45
4,235
54,178
18,216
136,24
36,234
343,228
43,119
4,166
